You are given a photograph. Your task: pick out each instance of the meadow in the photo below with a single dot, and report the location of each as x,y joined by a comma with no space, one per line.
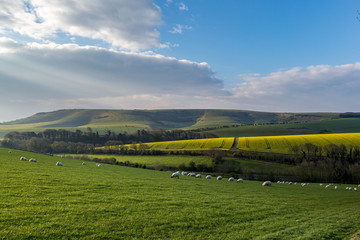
189,145
43,201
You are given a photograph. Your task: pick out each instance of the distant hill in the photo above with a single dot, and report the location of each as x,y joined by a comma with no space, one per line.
133,120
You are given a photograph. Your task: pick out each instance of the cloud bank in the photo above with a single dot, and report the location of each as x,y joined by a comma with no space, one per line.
125,24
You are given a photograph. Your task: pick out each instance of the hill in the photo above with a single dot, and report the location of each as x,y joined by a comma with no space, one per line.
43,201
132,120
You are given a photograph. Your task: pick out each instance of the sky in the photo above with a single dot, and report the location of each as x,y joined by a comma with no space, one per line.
261,55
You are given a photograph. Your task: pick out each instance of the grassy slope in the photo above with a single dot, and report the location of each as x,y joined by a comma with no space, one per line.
132,120
40,200
344,125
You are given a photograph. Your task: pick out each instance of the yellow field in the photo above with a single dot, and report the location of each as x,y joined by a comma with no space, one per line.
196,144
281,144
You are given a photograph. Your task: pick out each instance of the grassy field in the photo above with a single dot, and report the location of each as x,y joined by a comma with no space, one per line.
43,201
152,161
133,120
343,125
196,144
282,144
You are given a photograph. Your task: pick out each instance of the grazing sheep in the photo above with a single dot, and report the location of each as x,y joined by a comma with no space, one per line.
359,185
266,184
219,178
350,188
321,184
327,186
347,188
184,173
84,163
303,184
290,183
208,177
231,179
98,164
32,160
355,189
10,151
336,187
175,175
192,174
240,180
23,159
198,175
59,164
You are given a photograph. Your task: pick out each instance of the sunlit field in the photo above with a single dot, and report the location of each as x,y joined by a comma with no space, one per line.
42,200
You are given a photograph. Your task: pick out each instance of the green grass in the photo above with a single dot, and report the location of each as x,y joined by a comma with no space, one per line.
343,125
152,161
43,201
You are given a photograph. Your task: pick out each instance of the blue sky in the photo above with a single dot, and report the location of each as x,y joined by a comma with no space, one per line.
265,55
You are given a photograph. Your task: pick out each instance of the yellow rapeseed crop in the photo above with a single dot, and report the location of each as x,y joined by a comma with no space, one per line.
282,144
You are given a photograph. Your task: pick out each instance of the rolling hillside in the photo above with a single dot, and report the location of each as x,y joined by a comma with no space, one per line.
133,120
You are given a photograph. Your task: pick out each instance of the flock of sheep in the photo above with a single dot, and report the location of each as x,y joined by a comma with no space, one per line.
265,184
321,184
231,179
57,163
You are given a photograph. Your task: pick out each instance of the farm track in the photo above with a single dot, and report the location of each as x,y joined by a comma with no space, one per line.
233,147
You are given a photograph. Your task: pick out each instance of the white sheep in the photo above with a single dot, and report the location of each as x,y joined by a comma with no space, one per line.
355,189
208,177
32,160
321,184
303,184
23,159
175,175
266,184
10,151
98,164
336,187
184,173
59,164
359,186
198,175
327,186
84,163
347,188
350,188
240,180
290,183
219,178
231,179
192,174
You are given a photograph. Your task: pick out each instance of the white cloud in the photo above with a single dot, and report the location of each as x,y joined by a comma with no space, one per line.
183,7
126,24
37,76
178,29
316,88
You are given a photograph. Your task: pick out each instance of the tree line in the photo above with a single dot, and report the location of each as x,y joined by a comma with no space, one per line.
61,140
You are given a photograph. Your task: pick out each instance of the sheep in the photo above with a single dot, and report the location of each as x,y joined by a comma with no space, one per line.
219,178
347,188
350,188
240,180
184,173
84,163
321,184
59,164
303,184
10,151
327,186
32,160
191,174
198,175
359,186
336,187
266,184
290,183
231,179
98,164
208,177
23,159
355,189
175,175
